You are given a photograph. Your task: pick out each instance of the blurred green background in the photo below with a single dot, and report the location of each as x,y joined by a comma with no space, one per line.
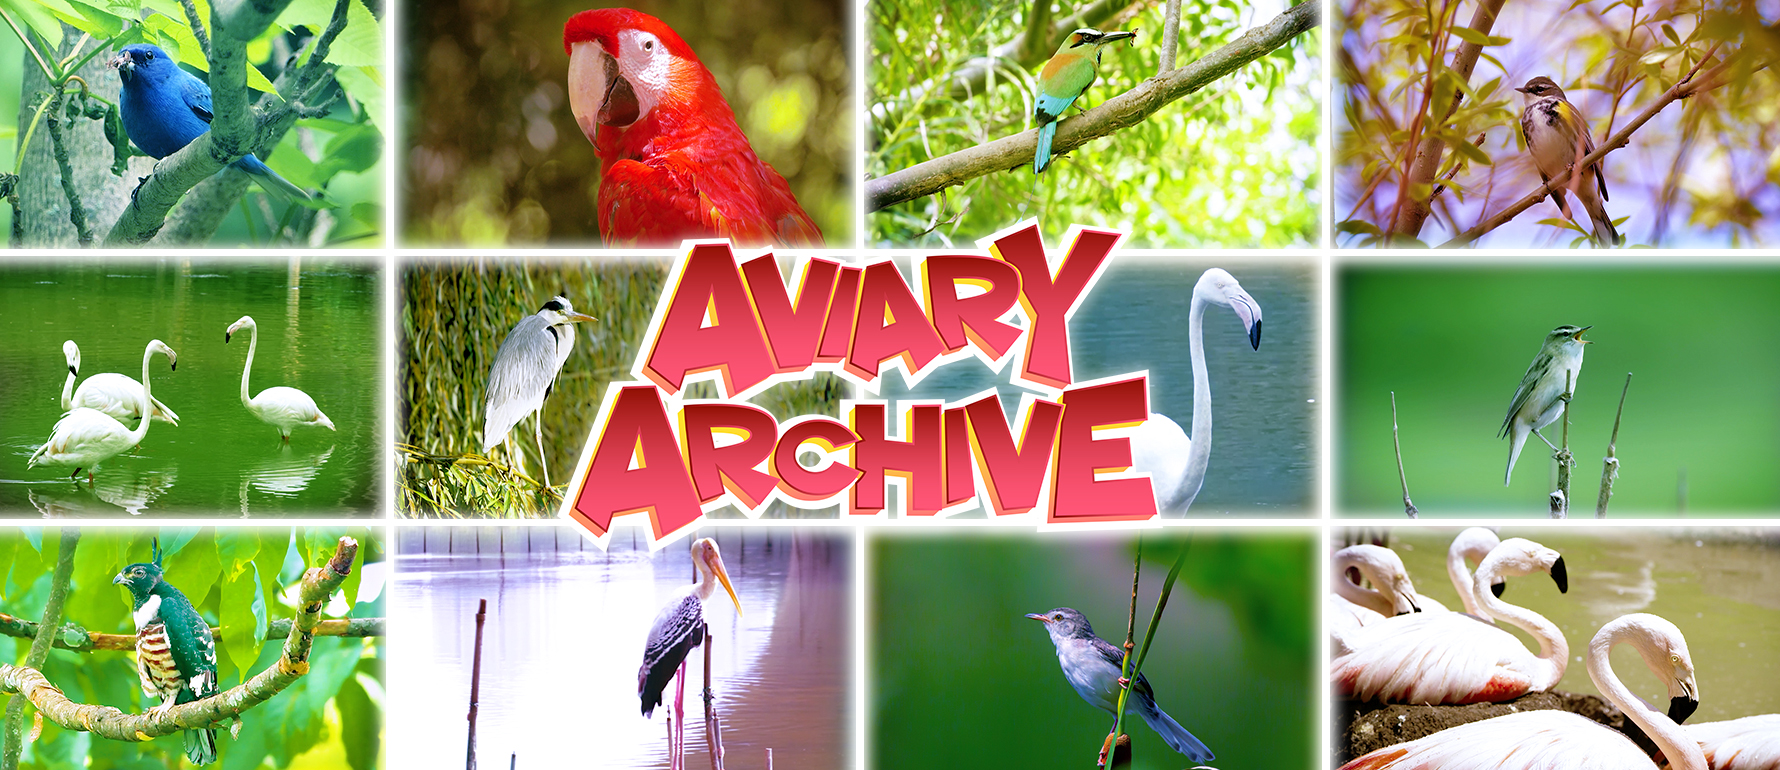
1701,431
962,678
1235,164
494,155
455,315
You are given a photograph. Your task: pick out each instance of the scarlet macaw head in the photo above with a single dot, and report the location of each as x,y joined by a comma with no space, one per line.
622,64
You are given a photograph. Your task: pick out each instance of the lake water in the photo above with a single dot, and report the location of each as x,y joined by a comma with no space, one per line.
1716,585
564,636
1265,401
319,325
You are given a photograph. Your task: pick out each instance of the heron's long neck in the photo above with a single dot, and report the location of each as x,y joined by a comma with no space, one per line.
1373,600
145,409
253,341
1199,454
1460,575
68,390
1682,752
1554,650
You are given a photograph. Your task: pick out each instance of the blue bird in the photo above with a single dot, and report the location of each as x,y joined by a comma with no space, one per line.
164,108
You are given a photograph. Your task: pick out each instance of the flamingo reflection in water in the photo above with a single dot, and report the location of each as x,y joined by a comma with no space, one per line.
678,629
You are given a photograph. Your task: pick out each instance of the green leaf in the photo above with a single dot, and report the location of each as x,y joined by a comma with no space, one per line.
38,18
243,619
365,86
1471,151
95,21
97,603
198,570
359,717
355,149
1357,226
1669,32
1470,35
360,44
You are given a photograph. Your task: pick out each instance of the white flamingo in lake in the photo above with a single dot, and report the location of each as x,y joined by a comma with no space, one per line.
281,407
1451,657
1176,462
85,437
1537,740
108,392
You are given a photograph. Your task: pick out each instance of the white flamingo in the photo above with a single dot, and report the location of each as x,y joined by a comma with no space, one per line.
1750,743
113,394
1474,544
281,407
1392,593
85,437
1176,462
1559,739
1451,657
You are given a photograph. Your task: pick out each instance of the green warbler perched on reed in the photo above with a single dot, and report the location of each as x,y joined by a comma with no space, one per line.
1541,395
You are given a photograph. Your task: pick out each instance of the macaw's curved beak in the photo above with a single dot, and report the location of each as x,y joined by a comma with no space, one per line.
598,94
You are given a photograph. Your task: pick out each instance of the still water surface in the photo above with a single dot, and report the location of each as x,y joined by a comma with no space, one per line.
564,636
1717,585
318,325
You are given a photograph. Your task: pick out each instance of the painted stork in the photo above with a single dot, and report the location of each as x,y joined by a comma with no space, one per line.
678,628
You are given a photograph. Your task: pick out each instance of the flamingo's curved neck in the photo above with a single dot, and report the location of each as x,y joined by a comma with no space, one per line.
1199,454
1460,575
68,389
1554,650
144,408
1370,599
1683,753
253,341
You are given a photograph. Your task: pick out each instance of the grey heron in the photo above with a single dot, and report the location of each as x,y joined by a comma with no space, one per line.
678,628
524,371
281,407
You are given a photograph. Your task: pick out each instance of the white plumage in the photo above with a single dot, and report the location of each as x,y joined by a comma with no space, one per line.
1176,462
1560,740
1450,657
1750,743
86,437
113,394
281,407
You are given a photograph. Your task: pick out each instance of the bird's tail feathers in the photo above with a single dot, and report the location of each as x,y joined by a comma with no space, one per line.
1605,237
1517,443
270,181
200,746
1045,133
1173,734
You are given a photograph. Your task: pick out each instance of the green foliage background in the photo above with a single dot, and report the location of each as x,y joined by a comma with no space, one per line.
454,317
1701,419
331,717
495,156
962,674
1233,165
340,153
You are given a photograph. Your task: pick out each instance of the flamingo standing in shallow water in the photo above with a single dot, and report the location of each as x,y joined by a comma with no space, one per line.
281,407
85,437
1451,657
109,392
1175,461
1536,740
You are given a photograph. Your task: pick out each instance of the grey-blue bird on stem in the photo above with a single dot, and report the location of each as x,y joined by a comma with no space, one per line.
164,108
1092,666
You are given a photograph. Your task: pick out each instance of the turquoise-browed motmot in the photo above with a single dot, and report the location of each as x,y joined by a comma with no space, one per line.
1063,80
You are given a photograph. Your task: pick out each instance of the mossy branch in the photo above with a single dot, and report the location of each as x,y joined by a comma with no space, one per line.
1560,499
76,639
1116,114
318,584
40,644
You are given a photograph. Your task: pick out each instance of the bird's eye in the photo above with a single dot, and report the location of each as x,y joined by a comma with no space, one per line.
1058,616
150,56
648,45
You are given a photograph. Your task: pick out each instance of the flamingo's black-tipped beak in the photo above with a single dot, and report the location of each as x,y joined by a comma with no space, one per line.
1682,708
1560,576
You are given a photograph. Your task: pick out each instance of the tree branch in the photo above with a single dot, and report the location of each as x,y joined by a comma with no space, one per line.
107,722
233,129
1715,77
1120,112
40,644
1170,36
1408,507
77,213
76,639
1411,212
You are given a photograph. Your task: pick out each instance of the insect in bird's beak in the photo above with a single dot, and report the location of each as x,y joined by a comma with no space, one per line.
598,94
122,63
1119,35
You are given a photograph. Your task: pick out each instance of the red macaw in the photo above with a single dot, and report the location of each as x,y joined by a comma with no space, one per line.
673,162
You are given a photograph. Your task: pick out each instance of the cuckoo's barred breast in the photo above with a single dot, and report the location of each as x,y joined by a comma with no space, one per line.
154,663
